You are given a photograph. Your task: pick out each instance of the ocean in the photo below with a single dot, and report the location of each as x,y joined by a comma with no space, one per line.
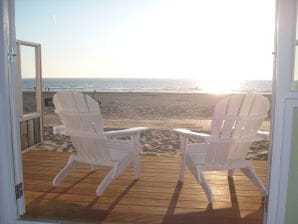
145,85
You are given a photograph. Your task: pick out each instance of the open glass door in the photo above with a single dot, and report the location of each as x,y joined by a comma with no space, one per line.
26,89
30,96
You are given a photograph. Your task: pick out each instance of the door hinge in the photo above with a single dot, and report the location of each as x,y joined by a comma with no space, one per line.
12,55
19,190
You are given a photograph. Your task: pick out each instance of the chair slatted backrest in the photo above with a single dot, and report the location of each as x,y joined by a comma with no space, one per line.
81,116
234,127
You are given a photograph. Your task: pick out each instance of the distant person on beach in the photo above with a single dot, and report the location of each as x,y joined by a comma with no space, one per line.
93,95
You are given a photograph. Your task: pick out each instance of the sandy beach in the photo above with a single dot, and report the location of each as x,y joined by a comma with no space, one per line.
161,112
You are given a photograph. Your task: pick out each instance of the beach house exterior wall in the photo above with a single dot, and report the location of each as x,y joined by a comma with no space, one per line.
283,182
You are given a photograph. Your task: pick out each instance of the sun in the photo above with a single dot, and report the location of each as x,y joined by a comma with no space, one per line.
219,86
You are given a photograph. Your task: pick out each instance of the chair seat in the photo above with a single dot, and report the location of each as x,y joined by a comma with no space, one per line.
119,149
196,153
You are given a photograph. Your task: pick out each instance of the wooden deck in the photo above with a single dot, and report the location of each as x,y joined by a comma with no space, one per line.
155,198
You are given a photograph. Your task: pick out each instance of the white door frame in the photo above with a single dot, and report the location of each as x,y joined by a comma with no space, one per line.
9,127
9,114
8,117
284,100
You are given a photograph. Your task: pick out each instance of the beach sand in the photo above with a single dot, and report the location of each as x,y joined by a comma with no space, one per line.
161,112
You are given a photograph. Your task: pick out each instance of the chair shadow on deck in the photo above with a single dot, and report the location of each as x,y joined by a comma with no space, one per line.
229,215
60,209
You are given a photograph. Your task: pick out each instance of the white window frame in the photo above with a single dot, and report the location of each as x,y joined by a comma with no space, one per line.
38,77
38,83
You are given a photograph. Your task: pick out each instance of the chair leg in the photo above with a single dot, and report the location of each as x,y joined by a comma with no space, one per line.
182,149
105,182
202,181
182,168
114,173
231,173
135,139
70,166
251,174
137,166
93,167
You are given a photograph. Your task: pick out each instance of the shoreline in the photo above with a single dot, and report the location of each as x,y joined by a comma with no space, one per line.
156,91
155,110
149,92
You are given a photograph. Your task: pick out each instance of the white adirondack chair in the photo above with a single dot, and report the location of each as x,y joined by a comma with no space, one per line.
234,127
83,122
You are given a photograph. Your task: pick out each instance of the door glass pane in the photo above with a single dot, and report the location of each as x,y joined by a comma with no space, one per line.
292,197
295,73
295,81
28,73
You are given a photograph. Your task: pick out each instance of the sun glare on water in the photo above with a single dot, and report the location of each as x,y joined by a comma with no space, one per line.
218,86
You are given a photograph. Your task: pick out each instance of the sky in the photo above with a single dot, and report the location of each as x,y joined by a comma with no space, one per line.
199,39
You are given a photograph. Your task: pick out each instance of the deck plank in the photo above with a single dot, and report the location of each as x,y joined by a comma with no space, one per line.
157,197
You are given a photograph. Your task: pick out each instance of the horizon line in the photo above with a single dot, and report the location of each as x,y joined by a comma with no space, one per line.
264,79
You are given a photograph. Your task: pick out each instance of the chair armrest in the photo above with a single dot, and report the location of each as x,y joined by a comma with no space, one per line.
265,135
185,133
125,132
118,133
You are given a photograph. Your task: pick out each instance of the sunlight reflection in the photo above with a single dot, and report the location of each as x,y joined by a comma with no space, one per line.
218,86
